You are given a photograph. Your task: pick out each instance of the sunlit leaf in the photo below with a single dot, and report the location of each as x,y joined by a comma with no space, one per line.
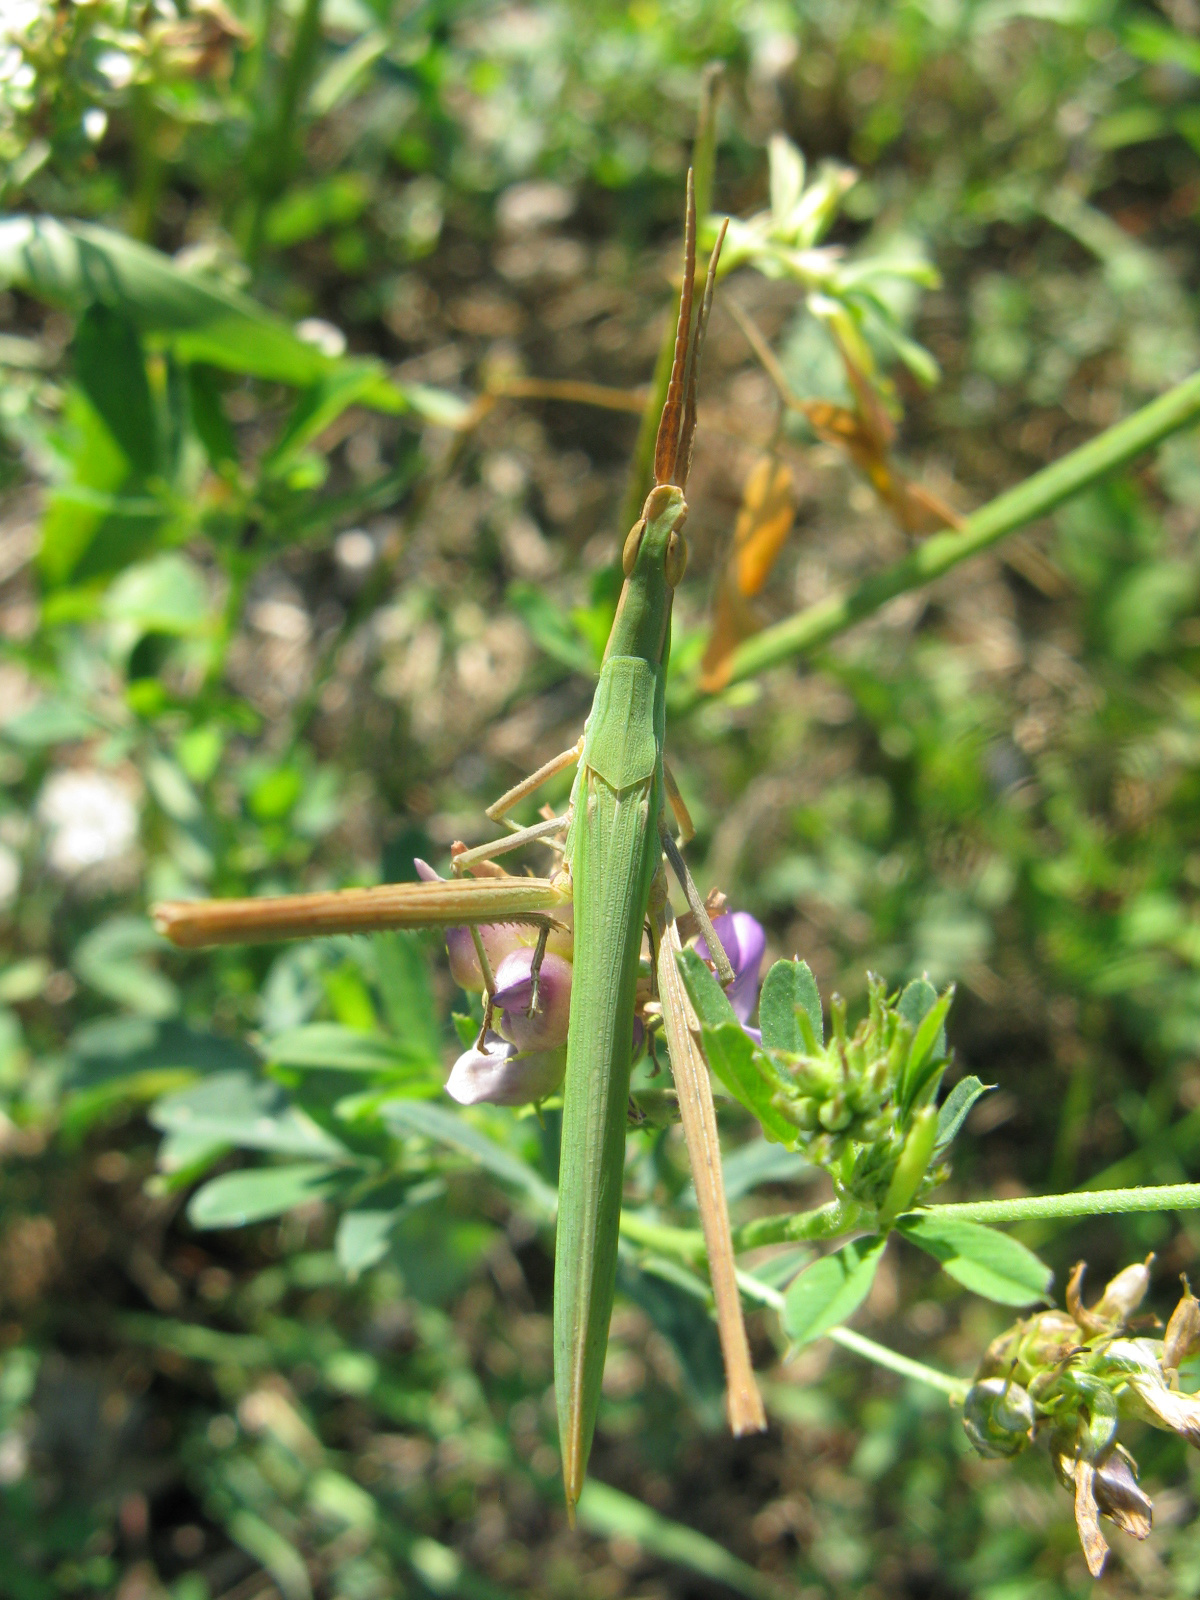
236,1199
982,1259
829,1292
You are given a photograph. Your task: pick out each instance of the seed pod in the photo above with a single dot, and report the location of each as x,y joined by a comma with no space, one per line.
1125,1293
1087,1518
998,1417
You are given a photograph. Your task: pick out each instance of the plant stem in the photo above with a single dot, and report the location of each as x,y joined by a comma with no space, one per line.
819,623
679,1244
956,1388
824,1222
1082,1203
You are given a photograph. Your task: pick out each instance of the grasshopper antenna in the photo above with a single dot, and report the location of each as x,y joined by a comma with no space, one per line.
677,426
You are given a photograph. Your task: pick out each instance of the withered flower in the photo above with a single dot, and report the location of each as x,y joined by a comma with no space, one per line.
1183,1331
1072,1377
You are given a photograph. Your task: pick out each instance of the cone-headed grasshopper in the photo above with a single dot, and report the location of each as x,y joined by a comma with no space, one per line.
616,835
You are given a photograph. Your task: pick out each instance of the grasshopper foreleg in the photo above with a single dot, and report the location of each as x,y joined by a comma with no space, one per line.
499,808
499,847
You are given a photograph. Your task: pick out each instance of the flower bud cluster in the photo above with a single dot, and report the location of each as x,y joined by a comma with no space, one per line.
865,1103
1071,1377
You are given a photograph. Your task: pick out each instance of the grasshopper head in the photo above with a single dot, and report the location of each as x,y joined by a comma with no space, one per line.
656,541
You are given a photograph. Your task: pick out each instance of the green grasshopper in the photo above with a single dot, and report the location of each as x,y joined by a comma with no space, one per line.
616,835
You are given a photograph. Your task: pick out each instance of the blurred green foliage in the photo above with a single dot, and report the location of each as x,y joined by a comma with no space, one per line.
282,607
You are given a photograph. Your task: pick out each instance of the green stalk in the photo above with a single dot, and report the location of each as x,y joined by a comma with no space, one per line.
824,1222
819,623
892,1360
1083,1203
678,1244
956,1388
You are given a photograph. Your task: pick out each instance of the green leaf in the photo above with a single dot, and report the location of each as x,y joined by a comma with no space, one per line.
929,1047
709,1000
112,960
918,999
170,788
111,370
273,1552
23,980
956,1108
789,988
330,1047
236,1199
49,722
186,1156
553,631
352,383
982,1259
786,167
166,594
77,264
248,1113
449,1128
362,1238
746,1073
306,212
1154,43
402,965
212,426
608,1512
740,1065
831,1290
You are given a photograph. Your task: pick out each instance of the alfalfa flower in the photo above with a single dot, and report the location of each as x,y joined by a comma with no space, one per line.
744,941
533,1015
498,940
500,1074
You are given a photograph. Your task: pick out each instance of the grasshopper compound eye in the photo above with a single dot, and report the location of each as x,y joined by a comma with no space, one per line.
633,543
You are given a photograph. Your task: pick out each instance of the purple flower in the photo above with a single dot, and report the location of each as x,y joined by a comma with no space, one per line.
502,1075
545,1028
745,941
497,938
